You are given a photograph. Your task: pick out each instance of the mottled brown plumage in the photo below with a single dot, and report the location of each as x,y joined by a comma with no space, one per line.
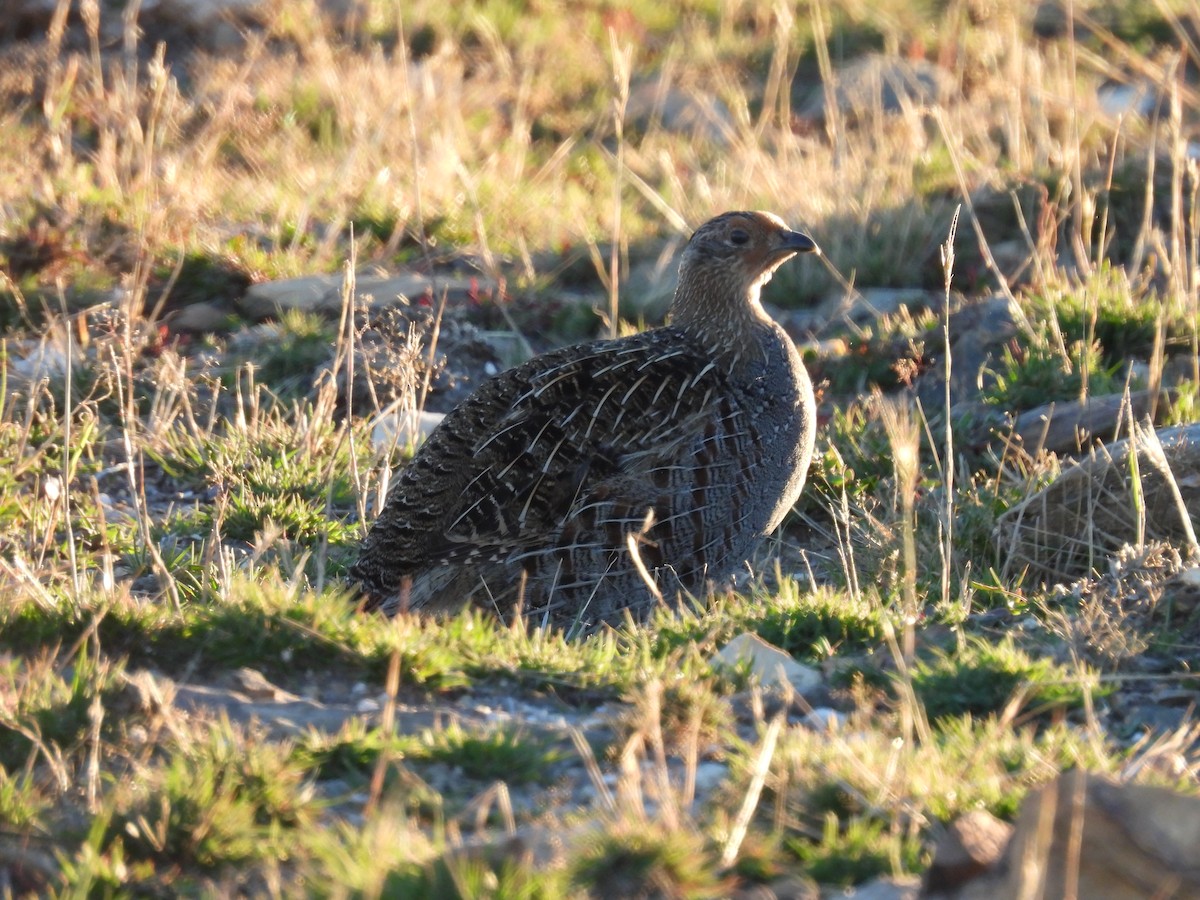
691,441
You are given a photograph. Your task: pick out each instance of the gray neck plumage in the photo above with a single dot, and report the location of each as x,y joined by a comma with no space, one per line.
724,315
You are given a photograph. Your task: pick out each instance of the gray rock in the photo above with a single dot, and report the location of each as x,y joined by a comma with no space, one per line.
884,889
202,13
971,845
1070,426
710,775
310,292
978,332
511,349
657,102
790,887
323,293
1104,839
199,318
1118,99
281,717
825,720
870,304
1082,835
885,83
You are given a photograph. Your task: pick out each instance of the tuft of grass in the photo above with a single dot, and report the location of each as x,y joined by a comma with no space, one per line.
858,850
50,704
643,860
497,753
22,804
288,353
820,623
806,622
226,798
1029,376
983,677
683,713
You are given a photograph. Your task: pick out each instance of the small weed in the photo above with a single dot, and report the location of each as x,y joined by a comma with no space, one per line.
51,710
21,803
288,353
819,623
642,860
852,457
222,800
455,876
1105,310
350,754
1184,408
983,677
687,713
858,850
1036,374
493,754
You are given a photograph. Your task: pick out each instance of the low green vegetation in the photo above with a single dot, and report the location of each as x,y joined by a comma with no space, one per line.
192,702
983,677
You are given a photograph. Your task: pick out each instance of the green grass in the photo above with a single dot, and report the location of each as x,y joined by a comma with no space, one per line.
856,851
494,753
51,712
181,508
222,800
1036,374
633,862
982,677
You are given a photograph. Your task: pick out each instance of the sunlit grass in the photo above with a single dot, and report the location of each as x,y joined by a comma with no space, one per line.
176,509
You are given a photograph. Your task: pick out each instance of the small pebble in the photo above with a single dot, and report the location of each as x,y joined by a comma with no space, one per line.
824,719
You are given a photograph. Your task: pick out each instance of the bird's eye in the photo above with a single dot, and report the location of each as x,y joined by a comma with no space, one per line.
739,236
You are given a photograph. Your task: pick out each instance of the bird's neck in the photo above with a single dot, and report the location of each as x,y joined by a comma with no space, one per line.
728,322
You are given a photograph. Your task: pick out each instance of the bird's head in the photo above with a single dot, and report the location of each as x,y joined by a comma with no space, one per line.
746,247
729,259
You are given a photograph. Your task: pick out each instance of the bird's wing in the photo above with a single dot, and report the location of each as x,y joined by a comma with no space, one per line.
507,467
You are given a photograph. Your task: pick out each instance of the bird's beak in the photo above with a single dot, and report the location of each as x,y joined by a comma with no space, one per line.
797,242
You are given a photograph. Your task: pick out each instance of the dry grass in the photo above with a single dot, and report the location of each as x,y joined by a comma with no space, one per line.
170,515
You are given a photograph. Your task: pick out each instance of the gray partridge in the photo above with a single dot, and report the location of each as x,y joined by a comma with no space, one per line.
607,476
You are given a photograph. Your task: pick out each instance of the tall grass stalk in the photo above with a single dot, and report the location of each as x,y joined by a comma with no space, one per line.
776,102
947,524
758,778
833,113
69,455
621,60
1082,204
952,142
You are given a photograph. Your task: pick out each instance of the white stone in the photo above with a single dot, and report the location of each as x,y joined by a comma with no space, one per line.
399,429
824,719
772,666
